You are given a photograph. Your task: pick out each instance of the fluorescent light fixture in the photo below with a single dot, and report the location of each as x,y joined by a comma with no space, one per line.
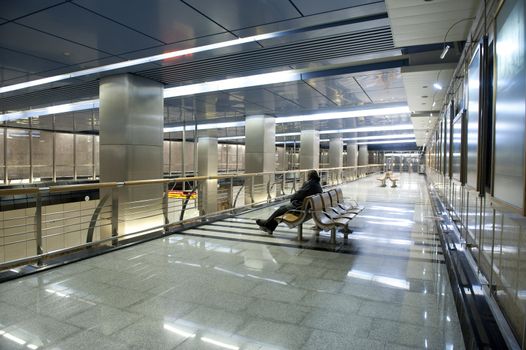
444,52
220,344
207,126
385,142
68,107
437,86
233,83
381,137
371,129
346,114
138,61
231,138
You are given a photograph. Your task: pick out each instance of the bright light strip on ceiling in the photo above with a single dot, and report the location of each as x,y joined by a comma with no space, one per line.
206,126
233,83
380,137
337,131
385,142
333,131
68,107
371,129
348,114
138,61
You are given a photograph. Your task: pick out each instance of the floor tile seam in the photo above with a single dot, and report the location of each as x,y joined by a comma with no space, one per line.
255,228
287,241
204,228
127,310
433,237
299,246
258,318
58,341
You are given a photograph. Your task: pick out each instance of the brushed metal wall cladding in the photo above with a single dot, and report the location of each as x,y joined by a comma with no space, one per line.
63,94
345,45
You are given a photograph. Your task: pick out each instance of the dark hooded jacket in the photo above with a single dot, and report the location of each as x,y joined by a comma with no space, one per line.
310,187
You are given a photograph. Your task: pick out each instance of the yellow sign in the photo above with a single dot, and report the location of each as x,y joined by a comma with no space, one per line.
182,194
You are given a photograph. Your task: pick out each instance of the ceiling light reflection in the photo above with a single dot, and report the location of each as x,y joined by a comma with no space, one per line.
220,344
179,331
389,281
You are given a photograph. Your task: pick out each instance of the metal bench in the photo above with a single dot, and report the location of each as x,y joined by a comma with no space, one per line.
324,221
351,206
296,217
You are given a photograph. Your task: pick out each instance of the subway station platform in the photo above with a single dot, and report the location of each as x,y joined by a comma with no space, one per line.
228,285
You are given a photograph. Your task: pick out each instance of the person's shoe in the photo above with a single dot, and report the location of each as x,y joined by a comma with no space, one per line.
260,222
266,229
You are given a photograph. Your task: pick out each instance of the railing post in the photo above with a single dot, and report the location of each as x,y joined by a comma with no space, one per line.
114,214
283,184
251,190
293,182
38,226
269,197
165,205
230,198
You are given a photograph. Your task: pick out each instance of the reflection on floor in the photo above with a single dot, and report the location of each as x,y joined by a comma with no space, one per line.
228,285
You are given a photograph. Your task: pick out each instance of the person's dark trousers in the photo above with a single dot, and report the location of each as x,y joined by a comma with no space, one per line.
271,222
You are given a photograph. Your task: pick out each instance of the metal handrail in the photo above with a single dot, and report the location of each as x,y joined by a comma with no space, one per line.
111,212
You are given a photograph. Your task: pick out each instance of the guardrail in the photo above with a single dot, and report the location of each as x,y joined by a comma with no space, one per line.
130,209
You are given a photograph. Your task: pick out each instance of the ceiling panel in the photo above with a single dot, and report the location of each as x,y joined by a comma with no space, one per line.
423,125
7,75
309,7
14,9
166,20
238,14
78,25
17,37
210,39
380,80
417,22
387,95
25,64
302,94
418,83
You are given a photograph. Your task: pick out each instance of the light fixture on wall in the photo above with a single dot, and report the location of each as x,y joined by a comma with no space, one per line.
444,51
447,46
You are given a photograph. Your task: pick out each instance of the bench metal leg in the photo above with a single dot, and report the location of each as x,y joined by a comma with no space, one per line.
333,235
300,232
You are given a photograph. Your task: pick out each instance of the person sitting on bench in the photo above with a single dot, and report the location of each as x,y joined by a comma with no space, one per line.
310,187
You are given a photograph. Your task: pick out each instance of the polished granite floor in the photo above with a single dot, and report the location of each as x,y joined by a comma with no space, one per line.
227,285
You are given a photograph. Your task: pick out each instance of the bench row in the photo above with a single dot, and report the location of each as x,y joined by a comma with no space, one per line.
328,210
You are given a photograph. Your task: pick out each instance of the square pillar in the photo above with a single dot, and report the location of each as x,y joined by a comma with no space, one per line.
260,155
207,166
131,146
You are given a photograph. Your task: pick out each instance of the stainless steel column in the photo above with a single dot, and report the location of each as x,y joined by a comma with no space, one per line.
352,158
363,155
207,166
336,158
260,156
131,144
310,149
363,158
